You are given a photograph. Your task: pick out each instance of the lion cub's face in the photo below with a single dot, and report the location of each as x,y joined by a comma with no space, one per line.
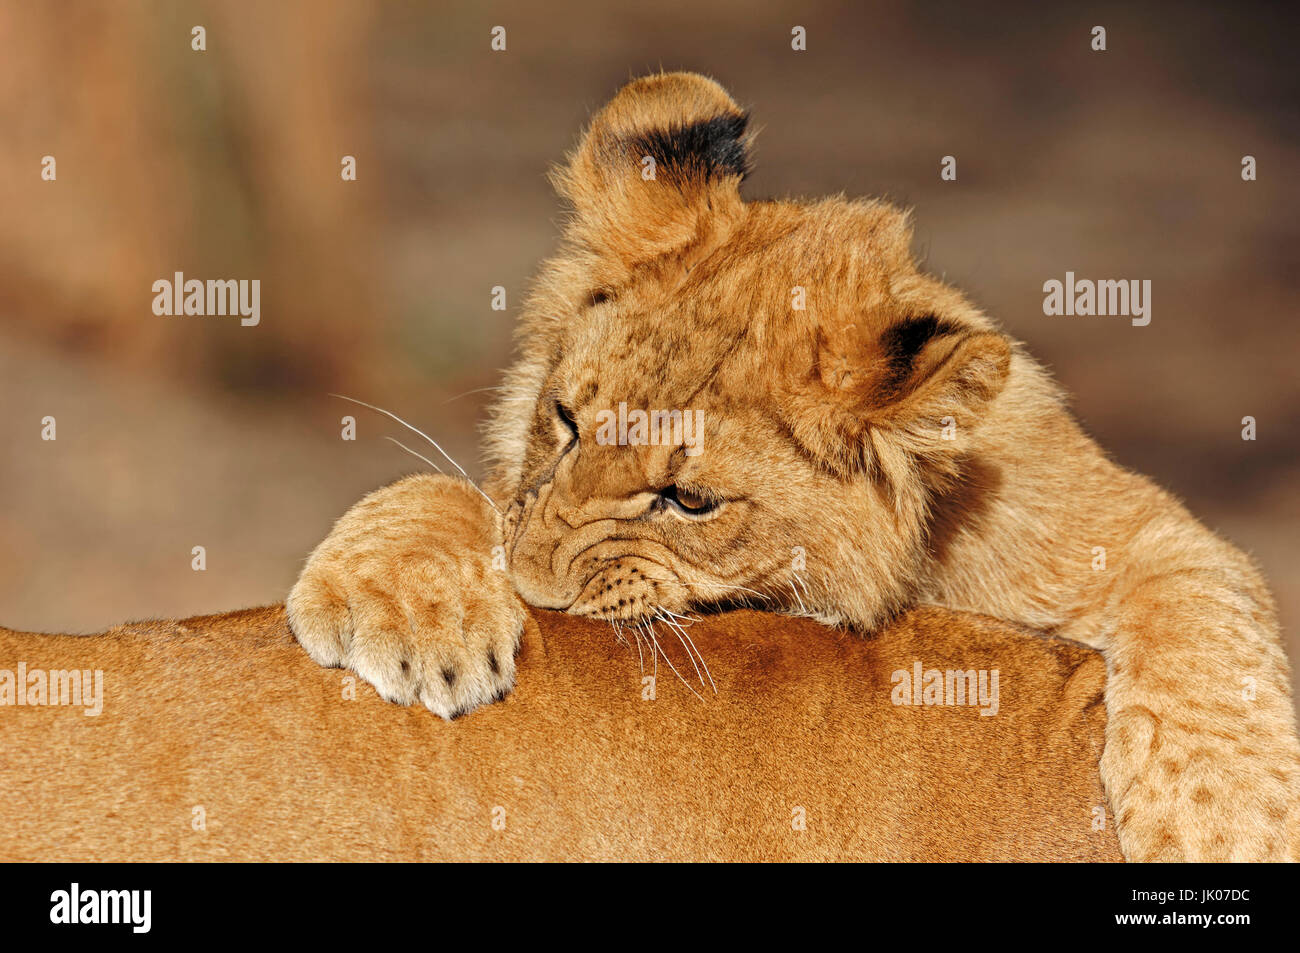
724,401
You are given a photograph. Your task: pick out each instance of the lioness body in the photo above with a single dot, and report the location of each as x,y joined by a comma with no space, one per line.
868,440
219,740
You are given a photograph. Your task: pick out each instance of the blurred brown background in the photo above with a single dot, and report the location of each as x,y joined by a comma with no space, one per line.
176,432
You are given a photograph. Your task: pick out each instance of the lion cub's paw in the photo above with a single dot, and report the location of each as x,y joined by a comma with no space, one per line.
409,591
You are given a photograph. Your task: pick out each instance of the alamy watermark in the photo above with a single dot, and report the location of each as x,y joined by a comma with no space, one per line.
213,297
651,428
922,686
75,905
81,688
1106,296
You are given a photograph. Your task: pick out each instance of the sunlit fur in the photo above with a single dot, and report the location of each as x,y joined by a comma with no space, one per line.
883,446
294,763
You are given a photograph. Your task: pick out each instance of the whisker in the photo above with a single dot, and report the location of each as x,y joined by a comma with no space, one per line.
719,585
650,628
799,579
476,390
683,634
389,413
677,631
703,585
414,453
618,634
686,635
654,656
640,661
687,619
802,608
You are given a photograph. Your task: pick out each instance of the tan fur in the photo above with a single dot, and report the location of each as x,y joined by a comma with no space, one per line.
883,446
225,713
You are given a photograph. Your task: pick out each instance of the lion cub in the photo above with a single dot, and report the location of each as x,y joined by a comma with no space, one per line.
867,440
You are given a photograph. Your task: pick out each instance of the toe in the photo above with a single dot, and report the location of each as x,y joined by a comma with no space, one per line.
320,622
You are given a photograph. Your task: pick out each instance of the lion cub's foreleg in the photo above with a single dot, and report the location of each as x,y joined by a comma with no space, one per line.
1201,759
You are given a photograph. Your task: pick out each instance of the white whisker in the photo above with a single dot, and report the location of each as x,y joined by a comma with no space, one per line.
414,453
705,585
650,628
476,390
677,631
687,619
389,413
686,635
796,595
654,656
618,633
690,646
719,585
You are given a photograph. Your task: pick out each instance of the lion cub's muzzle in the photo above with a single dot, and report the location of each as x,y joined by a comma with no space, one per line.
561,560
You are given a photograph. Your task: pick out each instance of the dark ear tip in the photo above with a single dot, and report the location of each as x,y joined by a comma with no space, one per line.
713,147
687,123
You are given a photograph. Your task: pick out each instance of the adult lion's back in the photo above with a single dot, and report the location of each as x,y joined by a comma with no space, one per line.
220,739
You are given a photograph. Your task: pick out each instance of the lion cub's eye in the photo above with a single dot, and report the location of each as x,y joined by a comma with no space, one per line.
688,502
566,418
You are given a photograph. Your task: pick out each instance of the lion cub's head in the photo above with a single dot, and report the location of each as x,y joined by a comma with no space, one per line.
720,400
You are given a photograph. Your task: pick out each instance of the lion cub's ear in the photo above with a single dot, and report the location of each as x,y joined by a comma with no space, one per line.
658,171
918,388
